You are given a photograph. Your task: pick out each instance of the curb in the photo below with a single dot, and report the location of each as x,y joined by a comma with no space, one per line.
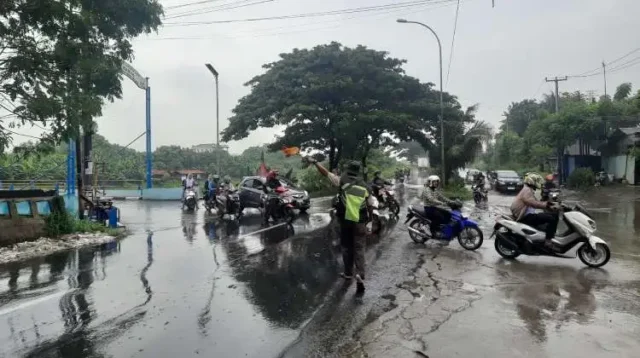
122,197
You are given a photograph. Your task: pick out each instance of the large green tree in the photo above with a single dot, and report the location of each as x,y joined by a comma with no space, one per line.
60,60
338,100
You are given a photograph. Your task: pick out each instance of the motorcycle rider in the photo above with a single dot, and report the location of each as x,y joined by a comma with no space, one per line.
525,203
378,183
479,181
353,213
547,187
272,182
436,205
189,184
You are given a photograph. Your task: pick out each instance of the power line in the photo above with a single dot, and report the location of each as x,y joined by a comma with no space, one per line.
20,134
453,39
252,33
627,64
600,68
194,3
196,12
315,14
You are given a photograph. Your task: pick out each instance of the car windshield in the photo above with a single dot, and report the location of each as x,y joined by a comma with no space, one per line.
508,175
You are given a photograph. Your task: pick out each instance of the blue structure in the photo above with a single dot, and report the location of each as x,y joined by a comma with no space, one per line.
148,136
142,83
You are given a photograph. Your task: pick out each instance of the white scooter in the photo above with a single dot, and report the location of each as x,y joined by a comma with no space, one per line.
190,199
514,239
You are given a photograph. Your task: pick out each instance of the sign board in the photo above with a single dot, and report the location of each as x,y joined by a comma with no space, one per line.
423,162
134,75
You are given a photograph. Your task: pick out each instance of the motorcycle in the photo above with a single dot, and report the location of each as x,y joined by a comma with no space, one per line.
279,206
190,199
514,239
388,200
376,223
228,202
465,230
552,195
602,178
479,194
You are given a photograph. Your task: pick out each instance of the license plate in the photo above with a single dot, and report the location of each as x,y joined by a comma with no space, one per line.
511,188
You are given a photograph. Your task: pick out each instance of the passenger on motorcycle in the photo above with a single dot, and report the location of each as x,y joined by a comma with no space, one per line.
435,205
549,185
378,183
524,206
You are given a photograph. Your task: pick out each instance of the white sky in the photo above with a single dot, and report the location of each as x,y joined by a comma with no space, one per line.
501,55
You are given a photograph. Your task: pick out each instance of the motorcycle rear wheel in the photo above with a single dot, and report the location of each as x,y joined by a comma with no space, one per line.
504,251
417,225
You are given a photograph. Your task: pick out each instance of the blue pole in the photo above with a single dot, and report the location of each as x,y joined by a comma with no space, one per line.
71,189
149,154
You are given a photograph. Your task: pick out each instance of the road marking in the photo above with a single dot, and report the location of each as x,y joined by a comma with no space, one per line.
623,254
33,302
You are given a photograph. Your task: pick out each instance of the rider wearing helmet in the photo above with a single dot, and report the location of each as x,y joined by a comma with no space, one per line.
435,204
479,180
378,183
547,187
226,182
525,203
272,180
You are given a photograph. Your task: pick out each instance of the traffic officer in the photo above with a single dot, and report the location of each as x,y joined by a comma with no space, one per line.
353,213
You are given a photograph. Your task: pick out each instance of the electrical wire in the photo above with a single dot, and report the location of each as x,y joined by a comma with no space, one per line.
453,39
196,12
314,14
600,69
193,3
252,33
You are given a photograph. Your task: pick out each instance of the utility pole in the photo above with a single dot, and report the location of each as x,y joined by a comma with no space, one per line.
215,76
560,153
556,80
604,73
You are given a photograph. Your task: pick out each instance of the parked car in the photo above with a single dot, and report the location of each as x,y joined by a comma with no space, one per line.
470,174
251,193
507,181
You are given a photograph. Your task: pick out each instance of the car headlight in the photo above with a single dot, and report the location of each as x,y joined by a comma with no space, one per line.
500,182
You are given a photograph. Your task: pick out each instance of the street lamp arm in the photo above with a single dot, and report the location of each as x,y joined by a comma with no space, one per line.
442,139
402,21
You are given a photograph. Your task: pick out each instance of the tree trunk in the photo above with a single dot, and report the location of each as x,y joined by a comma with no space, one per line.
332,153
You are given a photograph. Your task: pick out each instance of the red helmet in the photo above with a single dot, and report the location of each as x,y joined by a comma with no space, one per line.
272,174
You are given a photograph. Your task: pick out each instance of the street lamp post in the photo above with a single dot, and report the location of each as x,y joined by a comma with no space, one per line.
403,21
215,75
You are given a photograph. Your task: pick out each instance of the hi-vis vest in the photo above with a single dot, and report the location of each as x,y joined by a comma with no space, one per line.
353,200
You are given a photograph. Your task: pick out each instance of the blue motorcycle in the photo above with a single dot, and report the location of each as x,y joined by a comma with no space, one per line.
467,231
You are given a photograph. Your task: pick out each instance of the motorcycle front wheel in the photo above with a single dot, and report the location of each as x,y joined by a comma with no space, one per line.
394,208
471,238
594,258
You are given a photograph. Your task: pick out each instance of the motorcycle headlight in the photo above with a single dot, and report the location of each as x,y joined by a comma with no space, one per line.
286,200
306,193
592,224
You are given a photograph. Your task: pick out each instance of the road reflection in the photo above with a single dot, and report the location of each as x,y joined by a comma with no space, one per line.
552,294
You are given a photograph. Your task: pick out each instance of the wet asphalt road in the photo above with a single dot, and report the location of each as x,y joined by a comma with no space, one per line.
199,287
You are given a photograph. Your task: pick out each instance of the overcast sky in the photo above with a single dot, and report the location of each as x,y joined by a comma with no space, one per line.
501,55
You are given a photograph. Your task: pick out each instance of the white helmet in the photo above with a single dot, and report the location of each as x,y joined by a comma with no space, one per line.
431,179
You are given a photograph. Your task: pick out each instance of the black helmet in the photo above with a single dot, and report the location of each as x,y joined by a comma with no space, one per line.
353,168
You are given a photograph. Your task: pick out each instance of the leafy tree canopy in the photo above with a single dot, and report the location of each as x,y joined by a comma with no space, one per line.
60,59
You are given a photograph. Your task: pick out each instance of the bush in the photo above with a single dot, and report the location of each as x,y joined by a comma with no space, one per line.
456,189
581,178
58,223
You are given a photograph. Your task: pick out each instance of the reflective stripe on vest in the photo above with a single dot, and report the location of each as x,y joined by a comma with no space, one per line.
354,201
